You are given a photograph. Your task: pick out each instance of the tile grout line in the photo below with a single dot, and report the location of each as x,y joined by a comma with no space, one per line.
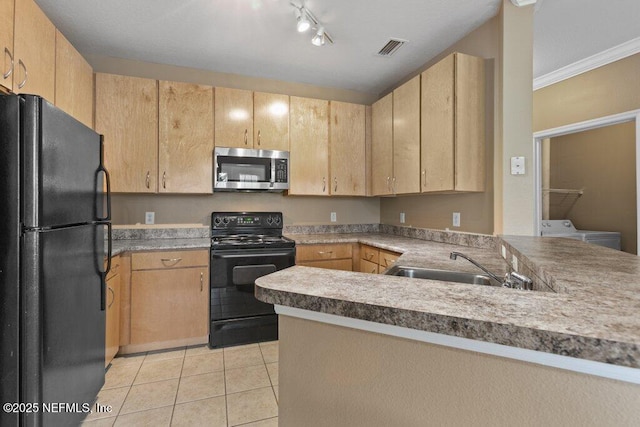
175,399
129,390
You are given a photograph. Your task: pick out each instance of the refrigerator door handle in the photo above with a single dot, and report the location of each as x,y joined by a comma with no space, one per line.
103,275
102,169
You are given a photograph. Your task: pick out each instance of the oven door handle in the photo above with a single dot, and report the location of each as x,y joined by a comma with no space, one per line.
245,254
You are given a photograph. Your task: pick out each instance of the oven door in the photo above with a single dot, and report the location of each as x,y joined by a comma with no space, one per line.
232,278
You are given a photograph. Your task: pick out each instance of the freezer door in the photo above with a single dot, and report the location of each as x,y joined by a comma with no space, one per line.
61,167
63,334
9,251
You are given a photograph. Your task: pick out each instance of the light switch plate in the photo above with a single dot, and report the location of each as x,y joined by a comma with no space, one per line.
334,217
402,218
456,219
149,217
517,165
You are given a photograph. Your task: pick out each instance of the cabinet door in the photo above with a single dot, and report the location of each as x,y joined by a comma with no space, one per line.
169,305
368,267
437,159
387,259
270,121
469,123
233,118
127,116
185,153
112,318
74,82
34,51
347,147
309,147
406,137
6,43
382,146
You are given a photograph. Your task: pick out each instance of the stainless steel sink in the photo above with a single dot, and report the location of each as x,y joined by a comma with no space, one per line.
446,276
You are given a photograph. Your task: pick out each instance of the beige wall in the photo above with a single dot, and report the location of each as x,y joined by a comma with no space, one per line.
602,162
476,209
335,376
188,209
105,64
611,89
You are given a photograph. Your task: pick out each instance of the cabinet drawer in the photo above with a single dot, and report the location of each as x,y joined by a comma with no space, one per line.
387,258
369,253
169,259
323,252
368,267
337,264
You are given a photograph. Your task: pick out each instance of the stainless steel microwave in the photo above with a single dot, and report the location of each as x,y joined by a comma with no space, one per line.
241,169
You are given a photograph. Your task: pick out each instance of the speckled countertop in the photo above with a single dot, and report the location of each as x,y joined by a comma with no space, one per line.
591,310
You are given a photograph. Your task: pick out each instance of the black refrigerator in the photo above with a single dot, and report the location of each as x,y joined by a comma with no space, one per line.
53,219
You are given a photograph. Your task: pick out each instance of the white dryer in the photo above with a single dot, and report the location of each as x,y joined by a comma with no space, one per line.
565,228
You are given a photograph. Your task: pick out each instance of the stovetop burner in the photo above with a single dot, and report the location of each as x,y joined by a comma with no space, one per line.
250,230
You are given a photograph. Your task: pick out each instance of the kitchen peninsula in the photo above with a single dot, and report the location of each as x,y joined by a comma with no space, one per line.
381,350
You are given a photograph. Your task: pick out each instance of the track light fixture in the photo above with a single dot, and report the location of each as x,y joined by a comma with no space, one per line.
306,20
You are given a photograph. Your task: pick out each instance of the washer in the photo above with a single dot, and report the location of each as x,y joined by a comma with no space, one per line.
565,228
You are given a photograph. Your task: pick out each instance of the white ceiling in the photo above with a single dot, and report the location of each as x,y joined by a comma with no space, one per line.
258,37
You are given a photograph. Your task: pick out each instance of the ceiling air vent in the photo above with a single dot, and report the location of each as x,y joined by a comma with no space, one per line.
391,47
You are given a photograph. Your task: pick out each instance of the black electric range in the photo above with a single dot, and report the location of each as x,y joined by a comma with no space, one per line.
244,246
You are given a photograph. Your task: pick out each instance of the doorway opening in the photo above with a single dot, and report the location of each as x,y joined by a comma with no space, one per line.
589,173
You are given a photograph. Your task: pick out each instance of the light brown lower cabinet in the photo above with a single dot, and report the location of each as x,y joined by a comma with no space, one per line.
375,260
332,256
112,330
169,299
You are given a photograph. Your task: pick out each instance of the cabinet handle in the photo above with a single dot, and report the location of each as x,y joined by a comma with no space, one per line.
164,179
201,281
424,177
246,136
8,73
325,252
173,260
258,137
374,270
147,180
393,185
369,256
113,297
335,186
324,184
389,183
24,67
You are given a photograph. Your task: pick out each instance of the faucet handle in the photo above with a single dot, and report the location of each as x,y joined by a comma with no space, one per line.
517,281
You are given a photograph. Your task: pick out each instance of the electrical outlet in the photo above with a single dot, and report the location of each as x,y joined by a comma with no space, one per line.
514,263
402,218
149,217
456,219
334,217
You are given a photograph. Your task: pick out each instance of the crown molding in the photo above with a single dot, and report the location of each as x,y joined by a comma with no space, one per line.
598,60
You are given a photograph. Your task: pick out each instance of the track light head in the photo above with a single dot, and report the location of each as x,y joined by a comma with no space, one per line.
319,38
303,23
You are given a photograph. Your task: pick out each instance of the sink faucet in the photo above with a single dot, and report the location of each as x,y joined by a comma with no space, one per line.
510,280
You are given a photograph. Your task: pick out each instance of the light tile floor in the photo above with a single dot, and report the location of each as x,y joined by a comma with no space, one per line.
194,386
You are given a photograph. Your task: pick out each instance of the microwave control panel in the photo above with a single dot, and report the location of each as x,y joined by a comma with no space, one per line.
281,170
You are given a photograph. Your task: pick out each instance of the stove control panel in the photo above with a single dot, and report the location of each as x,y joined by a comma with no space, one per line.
226,220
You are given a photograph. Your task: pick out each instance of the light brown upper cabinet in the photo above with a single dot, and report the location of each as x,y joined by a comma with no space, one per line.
127,116
185,138
270,121
382,146
347,149
246,119
6,43
453,146
74,82
34,51
309,171
406,138
233,117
